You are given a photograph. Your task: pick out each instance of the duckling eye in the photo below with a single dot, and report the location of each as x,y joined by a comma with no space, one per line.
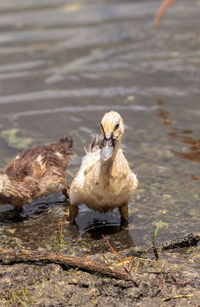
116,126
113,142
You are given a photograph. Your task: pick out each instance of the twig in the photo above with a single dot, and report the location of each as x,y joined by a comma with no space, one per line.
10,256
137,266
115,254
162,10
176,297
189,240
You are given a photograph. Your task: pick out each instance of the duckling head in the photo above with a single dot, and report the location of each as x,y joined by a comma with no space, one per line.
112,127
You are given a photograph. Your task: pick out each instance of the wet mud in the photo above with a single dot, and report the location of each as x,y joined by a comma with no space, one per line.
163,282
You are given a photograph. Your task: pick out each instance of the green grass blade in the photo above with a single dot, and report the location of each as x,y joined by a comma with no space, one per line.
156,230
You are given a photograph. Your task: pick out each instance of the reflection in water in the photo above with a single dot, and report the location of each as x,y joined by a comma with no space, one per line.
33,210
92,224
92,221
179,135
194,147
165,116
96,228
192,176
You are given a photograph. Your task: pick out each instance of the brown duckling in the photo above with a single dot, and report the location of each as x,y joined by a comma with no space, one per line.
36,172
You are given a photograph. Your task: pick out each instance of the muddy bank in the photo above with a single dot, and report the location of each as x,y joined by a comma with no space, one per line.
160,283
172,280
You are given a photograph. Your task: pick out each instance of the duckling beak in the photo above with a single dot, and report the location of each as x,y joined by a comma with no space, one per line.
107,149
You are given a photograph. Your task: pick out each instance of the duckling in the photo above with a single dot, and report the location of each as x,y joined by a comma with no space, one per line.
35,172
104,180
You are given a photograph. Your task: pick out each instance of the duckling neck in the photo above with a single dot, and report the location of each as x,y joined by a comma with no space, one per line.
117,149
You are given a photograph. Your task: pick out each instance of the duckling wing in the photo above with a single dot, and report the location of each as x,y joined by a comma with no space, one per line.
93,154
19,194
89,161
96,143
35,172
36,161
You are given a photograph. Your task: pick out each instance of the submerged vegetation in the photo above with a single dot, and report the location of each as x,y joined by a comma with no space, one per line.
15,140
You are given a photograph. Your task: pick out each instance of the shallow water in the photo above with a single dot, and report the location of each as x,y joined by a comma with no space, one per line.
62,66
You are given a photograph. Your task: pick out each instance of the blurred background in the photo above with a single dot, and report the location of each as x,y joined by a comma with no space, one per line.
64,64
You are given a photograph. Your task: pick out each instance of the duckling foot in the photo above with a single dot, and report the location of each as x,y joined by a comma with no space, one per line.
16,214
124,215
124,223
73,212
18,209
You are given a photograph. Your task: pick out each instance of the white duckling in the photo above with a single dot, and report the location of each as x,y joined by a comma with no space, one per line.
104,180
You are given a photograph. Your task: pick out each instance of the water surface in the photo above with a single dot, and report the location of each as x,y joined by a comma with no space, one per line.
62,66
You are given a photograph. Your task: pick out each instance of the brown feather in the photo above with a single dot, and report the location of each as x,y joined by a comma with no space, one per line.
36,172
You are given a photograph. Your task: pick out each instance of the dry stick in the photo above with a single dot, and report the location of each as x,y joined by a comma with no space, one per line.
189,240
9,256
